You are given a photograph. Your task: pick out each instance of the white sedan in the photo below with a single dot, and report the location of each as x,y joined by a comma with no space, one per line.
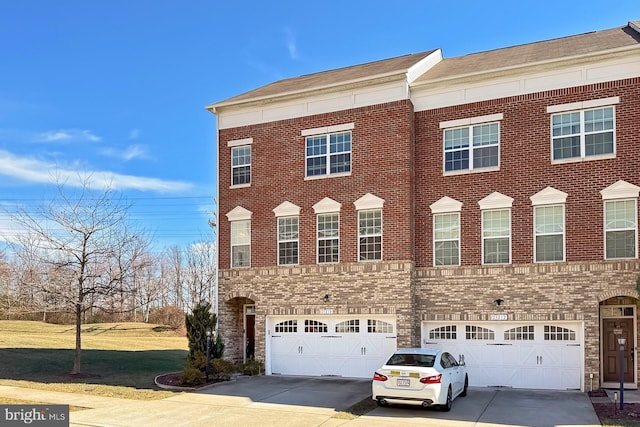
420,376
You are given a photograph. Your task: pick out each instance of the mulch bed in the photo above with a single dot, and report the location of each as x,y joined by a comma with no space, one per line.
173,380
611,411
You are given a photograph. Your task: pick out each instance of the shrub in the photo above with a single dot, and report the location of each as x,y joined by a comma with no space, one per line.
252,367
169,315
197,324
191,375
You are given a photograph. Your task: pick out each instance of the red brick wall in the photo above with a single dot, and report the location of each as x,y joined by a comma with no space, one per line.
525,169
381,164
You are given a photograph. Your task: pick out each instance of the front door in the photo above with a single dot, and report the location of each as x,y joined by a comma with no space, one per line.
614,329
250,332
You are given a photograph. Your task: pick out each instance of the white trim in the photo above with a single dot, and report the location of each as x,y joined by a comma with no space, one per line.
286,209
603,102
446,204
564,231
620,190
495,200
327,205
471,121
327,129
239,142
239,214
483,238
368,201
318,214
605,231
549,196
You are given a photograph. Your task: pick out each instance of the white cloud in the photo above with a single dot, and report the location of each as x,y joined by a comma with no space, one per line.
291,43
67,135
134,151
38,171
134,134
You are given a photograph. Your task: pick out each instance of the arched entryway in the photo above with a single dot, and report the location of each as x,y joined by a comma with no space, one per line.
618,320
240,328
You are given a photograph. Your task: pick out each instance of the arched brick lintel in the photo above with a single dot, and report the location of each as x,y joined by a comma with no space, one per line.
239,294
611,293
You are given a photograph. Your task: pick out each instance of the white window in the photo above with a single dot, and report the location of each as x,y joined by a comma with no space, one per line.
370,235
241,165
241,244
582,134
621,228
472,147
328,154
288,240
549,233
496,236
446,239
328,229
240,162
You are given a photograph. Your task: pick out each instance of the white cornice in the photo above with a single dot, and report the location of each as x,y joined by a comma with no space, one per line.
496,200
286,209
548,196
368,201
327,205
239,214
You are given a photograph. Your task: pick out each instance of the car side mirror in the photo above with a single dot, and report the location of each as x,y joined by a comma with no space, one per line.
461,360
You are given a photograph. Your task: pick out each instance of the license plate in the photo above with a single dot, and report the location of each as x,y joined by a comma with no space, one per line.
403,382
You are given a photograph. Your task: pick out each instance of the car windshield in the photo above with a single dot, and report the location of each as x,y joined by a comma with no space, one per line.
424,360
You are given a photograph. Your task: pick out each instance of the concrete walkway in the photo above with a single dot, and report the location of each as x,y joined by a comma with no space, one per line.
306,401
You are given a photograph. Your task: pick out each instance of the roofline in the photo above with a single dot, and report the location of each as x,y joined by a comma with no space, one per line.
405,73
525,65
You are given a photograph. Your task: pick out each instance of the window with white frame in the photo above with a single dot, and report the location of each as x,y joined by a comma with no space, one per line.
241,165
621,228
471,148
496,236
583,130
370,235
446,238
288,240
328,154
328,229
241,244
549,233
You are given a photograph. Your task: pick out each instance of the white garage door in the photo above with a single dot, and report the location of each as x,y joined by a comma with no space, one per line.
329,345
514,354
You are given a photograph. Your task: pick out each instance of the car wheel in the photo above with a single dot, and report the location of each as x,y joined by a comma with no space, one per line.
382,402
447,406
466,385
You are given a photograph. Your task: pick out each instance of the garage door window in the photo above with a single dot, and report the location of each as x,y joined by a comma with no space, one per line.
378,326
443,333
314,326
521,333
348,326
479,333
287,326
557,333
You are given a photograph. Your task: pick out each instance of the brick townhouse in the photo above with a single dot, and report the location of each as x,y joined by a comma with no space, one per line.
486,203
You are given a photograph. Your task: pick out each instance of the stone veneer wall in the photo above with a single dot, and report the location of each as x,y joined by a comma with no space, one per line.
354,289
535,292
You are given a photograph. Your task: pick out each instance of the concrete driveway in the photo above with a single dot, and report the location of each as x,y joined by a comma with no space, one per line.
482,407
269,401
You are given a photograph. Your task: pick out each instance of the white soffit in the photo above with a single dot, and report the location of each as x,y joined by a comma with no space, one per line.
286,209
239,214
327,205
620,190
368,201
548,196
496,200
446,204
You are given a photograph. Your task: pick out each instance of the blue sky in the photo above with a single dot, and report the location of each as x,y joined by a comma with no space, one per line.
117,89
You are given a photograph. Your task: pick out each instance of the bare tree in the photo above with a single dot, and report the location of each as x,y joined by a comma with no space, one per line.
86,246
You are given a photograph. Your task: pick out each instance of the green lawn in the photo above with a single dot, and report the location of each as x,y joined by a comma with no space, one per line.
118,359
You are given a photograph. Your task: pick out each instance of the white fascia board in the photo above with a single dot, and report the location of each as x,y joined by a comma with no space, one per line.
424,65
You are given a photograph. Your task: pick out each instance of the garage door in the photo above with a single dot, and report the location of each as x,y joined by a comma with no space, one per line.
509,354
327,345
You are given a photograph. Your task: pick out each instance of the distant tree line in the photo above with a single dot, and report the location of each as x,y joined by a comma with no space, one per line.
77,260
